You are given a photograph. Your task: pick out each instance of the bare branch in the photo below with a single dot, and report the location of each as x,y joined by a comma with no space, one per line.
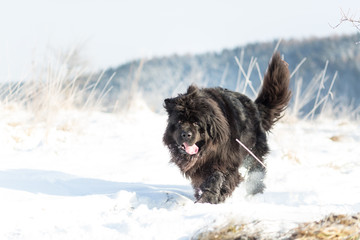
345,17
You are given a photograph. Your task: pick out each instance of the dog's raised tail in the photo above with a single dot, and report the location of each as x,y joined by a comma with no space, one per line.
274,95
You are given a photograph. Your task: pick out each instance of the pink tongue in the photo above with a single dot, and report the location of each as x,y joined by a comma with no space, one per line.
191,149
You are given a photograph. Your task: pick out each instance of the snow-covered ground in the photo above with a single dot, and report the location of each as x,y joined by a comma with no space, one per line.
107,176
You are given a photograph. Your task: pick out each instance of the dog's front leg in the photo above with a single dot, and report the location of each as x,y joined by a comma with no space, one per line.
210,189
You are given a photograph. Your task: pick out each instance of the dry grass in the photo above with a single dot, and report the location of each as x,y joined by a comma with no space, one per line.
292,156
332,227
314,93
58,95
60,84
337,138
229,232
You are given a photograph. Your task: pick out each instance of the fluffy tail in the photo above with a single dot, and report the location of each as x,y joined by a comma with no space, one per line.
274,95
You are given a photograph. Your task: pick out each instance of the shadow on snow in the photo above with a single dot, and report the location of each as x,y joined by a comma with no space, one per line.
62,184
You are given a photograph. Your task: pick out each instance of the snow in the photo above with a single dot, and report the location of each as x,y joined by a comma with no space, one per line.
107,176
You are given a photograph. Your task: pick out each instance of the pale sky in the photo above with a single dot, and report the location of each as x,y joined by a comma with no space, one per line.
111,32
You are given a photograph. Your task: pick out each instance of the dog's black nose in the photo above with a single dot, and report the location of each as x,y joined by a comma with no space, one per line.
186,135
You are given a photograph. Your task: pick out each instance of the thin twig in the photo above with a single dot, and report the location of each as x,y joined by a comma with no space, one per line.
329,92
320,87
240,62
260,75
224,75
252,154
247,76
346,18
297,67
277,45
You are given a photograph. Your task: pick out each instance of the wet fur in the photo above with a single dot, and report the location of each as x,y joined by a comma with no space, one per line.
214,118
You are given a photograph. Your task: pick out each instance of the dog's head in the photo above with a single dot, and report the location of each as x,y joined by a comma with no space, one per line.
194,122
185,128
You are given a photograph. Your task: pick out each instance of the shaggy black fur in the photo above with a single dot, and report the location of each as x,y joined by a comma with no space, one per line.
204,123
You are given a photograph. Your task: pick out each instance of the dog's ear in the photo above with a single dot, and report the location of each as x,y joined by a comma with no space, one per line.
192,89
211,131
217,128
169,104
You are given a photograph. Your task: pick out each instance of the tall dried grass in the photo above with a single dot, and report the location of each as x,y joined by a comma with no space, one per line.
315,92
59,95
61,84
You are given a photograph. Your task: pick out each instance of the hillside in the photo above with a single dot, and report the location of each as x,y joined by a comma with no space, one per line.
165,76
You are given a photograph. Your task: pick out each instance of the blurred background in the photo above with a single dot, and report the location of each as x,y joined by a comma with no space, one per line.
118,49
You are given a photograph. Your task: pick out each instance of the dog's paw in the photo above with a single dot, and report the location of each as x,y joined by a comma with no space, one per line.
255,183
209,191
208,197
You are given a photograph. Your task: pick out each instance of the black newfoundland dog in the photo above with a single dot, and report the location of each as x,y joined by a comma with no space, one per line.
203,125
